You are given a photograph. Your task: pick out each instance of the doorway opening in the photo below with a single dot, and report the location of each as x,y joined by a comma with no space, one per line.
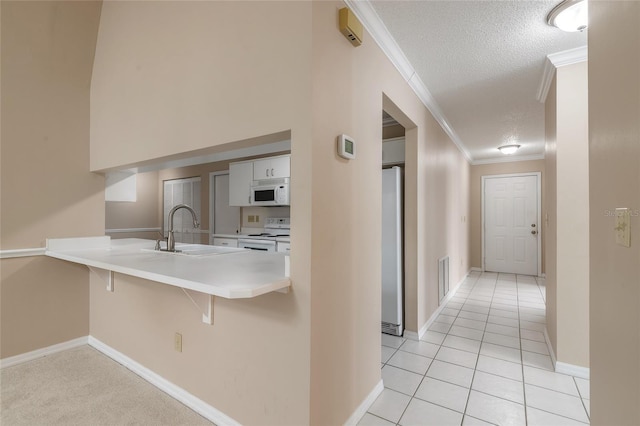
392,274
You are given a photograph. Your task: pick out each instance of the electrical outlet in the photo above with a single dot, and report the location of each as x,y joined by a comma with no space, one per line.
251,218
177,342
257,218
623,227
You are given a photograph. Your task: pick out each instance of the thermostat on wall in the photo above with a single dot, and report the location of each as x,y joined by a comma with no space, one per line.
346,147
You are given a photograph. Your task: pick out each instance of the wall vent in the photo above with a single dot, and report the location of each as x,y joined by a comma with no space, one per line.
443,278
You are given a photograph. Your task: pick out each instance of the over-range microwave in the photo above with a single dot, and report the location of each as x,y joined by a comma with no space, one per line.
270,192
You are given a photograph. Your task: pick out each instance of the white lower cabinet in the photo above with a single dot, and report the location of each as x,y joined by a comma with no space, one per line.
283,247
226,242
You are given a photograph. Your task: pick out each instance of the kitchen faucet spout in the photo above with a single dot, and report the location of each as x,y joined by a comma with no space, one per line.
171,242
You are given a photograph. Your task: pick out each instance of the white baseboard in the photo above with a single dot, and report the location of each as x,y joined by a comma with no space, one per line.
432,318
563,367
364,406
573,370
543,275
176,392
411,335
475,269
550,347
10,254
39,353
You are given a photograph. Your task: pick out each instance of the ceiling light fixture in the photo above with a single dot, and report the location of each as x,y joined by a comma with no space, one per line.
508,149
570,15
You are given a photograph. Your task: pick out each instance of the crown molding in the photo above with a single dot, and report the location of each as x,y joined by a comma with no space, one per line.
569,57
508,159
365,12
557,60
545,84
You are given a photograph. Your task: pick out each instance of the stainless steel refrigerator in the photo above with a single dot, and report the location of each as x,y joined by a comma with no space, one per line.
392,245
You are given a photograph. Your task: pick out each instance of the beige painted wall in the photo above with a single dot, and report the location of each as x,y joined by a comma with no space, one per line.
345,303
46,188
475,184
328,345
192,90
572,215
567,212
143,213
550,222
169,79
332,319
614,181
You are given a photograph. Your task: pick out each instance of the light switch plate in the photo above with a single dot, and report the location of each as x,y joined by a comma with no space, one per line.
623,227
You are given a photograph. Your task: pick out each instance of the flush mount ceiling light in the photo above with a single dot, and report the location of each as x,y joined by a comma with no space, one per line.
570,15
508,149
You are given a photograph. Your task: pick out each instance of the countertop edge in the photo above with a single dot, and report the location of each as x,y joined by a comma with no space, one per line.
174,281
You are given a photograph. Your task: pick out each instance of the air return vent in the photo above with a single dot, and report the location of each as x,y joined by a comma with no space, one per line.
443,277
350,26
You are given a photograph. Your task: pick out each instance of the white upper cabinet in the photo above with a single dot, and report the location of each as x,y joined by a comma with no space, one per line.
243,173
272,168
240,180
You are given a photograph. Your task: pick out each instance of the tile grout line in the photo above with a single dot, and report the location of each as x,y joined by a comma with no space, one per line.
475,282
466,405
424,376
475,294
582,399
524,388
434,358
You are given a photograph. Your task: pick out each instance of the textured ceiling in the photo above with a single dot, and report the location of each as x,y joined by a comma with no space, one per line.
483,62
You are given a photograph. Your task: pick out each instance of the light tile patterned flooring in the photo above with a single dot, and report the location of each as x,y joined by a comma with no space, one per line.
483,361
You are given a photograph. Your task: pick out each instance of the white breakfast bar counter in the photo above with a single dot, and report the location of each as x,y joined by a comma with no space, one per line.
215,271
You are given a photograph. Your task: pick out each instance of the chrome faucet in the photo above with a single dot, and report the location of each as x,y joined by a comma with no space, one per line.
171,242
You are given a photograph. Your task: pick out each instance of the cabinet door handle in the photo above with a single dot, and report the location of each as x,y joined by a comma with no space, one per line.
271,172
267,171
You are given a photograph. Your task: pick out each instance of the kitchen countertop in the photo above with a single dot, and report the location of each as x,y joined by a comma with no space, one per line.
229,273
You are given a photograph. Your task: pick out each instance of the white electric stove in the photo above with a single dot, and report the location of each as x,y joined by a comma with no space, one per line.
274,228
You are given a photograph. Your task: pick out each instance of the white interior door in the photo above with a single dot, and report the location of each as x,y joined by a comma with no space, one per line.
182,191
224,219
511,226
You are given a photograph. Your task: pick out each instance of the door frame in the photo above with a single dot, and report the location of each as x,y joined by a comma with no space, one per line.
212,199
191,179
538,176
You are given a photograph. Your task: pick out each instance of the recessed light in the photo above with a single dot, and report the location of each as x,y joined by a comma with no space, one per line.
570,15
508,149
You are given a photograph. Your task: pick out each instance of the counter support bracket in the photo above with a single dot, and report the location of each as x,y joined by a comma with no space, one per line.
105,275
204,303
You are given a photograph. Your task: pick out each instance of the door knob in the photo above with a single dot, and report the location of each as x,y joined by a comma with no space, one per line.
533,225
534,232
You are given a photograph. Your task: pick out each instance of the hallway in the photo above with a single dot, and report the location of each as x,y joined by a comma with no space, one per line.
484,360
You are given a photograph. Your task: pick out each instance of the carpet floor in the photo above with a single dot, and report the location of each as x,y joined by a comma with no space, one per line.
81,386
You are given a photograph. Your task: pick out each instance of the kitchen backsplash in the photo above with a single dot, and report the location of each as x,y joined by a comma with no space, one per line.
254,217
